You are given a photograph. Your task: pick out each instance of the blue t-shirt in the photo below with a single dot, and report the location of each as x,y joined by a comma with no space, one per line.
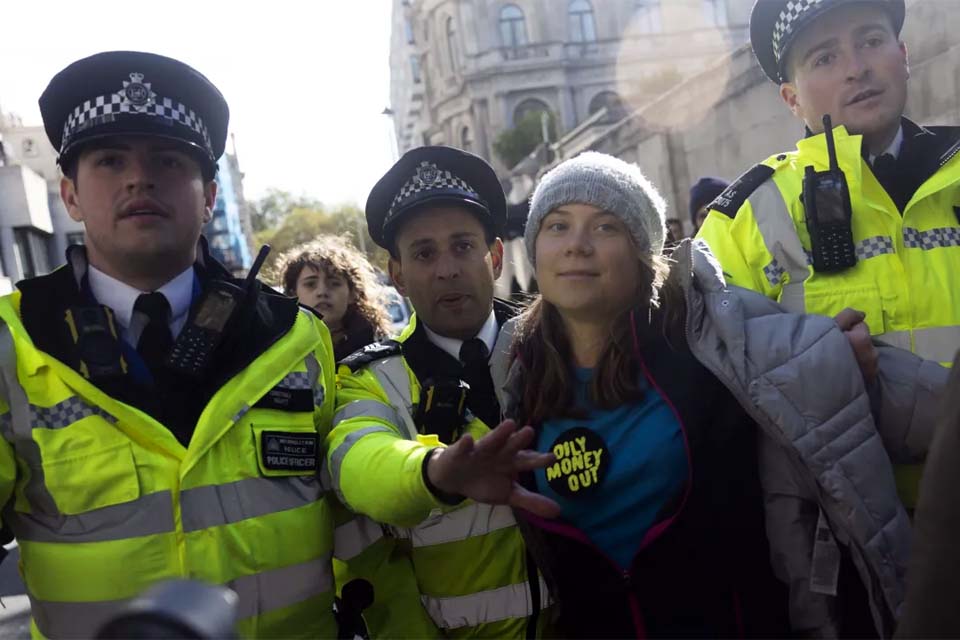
615,470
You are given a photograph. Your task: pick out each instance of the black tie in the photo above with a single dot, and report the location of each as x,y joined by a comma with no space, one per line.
473,352
156,339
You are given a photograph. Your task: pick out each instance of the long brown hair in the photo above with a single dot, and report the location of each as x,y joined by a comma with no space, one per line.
543,347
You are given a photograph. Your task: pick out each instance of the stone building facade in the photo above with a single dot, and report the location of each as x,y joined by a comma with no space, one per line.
463,72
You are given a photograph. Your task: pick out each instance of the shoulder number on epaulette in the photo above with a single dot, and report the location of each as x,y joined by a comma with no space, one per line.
733,197
376,351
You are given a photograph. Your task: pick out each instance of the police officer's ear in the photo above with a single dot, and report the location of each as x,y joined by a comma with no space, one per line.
790,97
68,193
496,257
395,269
209,200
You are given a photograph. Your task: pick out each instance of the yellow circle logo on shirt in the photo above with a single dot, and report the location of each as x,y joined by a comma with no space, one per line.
583,461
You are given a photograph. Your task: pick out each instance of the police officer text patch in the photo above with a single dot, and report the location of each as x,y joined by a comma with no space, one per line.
583,461
285,451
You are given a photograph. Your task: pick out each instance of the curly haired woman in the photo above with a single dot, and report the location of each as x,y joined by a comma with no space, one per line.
331,276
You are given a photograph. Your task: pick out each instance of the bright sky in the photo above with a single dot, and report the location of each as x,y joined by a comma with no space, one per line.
306,80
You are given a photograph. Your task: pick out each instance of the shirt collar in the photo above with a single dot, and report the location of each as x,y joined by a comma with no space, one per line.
121,297
487,333
894,148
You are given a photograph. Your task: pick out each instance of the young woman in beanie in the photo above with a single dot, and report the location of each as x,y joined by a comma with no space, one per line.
677,410
334,278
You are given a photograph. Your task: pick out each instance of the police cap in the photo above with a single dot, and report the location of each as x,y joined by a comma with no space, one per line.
134,93
774,25
435,175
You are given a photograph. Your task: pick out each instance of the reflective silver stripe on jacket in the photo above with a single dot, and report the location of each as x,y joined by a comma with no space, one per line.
275,589
484,607
468,522
259,594
73,619
148,515
336,458
221,504
367,409
781,239
354,537
395,381
16,426
939,344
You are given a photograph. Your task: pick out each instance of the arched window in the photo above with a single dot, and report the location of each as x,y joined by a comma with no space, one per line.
452,51
528,106
582,28
715,12
610,101
466,139
513,27
647,16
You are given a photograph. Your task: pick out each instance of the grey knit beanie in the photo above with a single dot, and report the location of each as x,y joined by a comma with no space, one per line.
605,182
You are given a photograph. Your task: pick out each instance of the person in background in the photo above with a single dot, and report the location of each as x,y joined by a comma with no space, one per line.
669,401
674,232
334,278
702,193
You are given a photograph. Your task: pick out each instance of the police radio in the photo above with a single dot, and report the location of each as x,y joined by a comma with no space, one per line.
442,408
192,352
826,201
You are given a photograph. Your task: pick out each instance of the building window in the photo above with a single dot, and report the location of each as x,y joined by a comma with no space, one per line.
466,139
75,237
647,16
582,28
715,12
453,52
528,106
415,69
408,31
610,101
30,247
513,27
29,147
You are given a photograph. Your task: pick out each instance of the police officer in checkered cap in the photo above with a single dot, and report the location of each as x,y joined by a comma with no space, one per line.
152,365
439,212
898,245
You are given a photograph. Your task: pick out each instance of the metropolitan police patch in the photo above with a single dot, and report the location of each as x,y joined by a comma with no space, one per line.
289,451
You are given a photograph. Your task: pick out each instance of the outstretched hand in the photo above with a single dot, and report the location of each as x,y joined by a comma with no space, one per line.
851,322
486,471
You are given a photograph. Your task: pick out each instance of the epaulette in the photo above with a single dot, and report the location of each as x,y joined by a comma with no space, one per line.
376,351
733,197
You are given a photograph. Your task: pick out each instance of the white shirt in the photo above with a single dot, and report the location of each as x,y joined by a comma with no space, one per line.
487,333
121,297
894,148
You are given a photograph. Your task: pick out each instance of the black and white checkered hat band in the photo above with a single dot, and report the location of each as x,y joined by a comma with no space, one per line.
93,111
445,181
788,17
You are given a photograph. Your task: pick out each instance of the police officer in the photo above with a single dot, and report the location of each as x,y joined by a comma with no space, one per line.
893,252
412,434
161,419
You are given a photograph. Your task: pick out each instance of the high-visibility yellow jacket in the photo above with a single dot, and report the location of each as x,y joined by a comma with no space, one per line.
469,560
104,501
907,276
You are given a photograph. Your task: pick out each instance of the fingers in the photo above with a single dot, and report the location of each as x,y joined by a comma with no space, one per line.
849,317
530,460
535,503
497,438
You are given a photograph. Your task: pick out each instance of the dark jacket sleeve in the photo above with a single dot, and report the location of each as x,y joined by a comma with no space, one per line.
932,608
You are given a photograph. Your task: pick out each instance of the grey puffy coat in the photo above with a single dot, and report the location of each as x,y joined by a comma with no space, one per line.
822,451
